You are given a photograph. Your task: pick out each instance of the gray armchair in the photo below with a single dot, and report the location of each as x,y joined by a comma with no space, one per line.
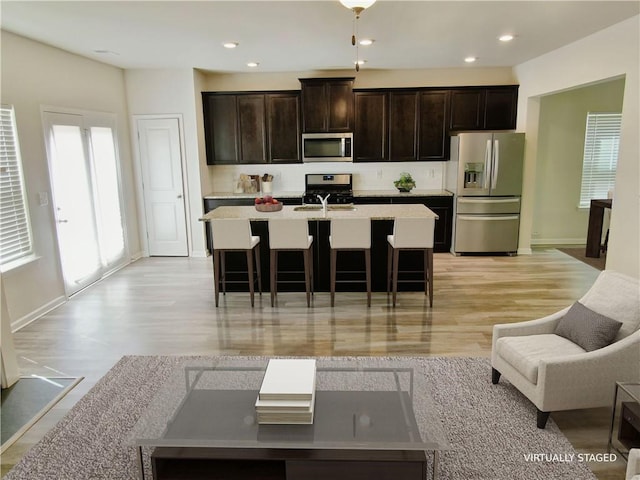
556,373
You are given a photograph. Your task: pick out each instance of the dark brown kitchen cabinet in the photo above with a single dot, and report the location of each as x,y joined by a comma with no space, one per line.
327,104
221,128
484,108
371,127
403,122
253,127
433,139
283,127
252,137
501,106
466,109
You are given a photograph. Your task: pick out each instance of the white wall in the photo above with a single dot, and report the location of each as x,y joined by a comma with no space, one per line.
557,219
172,92
34,74
367,176
607,54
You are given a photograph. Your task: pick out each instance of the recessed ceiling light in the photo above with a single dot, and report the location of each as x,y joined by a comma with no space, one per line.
230,44
506,38
252,64
366,41
470,59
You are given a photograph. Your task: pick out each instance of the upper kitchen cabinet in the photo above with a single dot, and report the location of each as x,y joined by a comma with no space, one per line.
283,127
403,123
221,128
253,127
371,124
252,137
327,104
484,108
433,138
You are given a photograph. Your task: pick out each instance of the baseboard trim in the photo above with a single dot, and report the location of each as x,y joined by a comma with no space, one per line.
559,241
525,251
36,314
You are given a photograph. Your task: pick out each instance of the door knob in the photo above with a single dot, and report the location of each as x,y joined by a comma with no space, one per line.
180,196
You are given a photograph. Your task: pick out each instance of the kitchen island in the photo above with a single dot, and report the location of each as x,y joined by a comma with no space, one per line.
351,265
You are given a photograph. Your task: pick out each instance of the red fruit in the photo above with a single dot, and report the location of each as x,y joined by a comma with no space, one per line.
275,201
267,199
258,201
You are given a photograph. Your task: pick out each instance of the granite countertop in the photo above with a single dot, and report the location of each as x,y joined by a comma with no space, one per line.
356,193
374,212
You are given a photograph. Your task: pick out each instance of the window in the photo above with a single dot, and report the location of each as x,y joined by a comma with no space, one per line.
601,142
15,232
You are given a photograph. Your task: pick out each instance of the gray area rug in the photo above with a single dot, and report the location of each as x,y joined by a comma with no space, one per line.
491,428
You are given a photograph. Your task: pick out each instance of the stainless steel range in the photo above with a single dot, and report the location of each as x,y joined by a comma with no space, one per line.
338,186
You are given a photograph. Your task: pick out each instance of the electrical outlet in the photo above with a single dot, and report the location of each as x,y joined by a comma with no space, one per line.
432,173
43,199
379,174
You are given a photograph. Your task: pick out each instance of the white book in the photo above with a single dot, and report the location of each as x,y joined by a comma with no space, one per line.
289,379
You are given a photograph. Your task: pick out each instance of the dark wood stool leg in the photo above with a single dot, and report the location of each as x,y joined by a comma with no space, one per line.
216,274
430,260
389,266
311,268
256,251
396,257
367,262
334,261
273,272
426,272
307,277
250,274
224,271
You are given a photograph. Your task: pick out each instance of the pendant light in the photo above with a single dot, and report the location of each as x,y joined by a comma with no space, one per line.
357,7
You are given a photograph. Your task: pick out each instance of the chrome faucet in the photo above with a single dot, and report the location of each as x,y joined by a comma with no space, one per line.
324,202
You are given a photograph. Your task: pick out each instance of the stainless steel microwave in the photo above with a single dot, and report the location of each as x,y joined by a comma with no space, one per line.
327,147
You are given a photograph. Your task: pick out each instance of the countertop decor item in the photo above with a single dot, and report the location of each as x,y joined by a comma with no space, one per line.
268,204
405,183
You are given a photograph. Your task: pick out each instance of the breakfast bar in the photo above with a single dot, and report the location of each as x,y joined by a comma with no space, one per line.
382,219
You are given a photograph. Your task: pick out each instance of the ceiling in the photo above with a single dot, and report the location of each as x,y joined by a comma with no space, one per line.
309,35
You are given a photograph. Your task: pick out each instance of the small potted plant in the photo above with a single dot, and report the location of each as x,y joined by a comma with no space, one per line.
405,183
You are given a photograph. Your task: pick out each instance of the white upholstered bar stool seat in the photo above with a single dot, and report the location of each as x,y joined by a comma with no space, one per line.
233,234
290,234
411,233
350,234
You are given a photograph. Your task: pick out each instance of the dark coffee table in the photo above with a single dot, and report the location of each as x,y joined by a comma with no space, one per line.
370,421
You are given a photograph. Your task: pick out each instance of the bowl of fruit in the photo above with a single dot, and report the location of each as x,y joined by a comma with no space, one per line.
267,204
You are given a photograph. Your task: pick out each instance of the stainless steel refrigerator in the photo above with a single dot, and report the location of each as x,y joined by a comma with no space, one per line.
485,174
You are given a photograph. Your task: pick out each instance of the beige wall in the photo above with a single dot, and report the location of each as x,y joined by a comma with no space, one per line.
608,54
172,92
33,75
556,216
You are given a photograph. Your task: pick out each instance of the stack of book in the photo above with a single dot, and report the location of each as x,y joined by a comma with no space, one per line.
287,394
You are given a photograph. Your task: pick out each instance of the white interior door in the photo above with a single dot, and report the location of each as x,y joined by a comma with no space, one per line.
86,196
162,183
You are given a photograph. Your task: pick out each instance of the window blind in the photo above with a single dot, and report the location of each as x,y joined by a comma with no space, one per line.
15,233
602,139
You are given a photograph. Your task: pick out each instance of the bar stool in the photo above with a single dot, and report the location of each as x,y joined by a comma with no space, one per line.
231,234
350,234
411,234
290,234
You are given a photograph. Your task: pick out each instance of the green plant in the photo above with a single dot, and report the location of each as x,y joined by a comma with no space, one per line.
405,182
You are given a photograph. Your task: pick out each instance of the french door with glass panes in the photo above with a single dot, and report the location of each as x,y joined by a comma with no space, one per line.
83,165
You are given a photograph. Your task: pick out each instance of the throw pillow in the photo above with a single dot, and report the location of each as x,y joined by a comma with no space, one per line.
587,328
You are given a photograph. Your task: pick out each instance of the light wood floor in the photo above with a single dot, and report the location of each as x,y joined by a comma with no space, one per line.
165,306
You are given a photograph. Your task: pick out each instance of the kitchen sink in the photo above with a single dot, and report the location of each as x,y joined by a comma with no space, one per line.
339,208
305,208
344,208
